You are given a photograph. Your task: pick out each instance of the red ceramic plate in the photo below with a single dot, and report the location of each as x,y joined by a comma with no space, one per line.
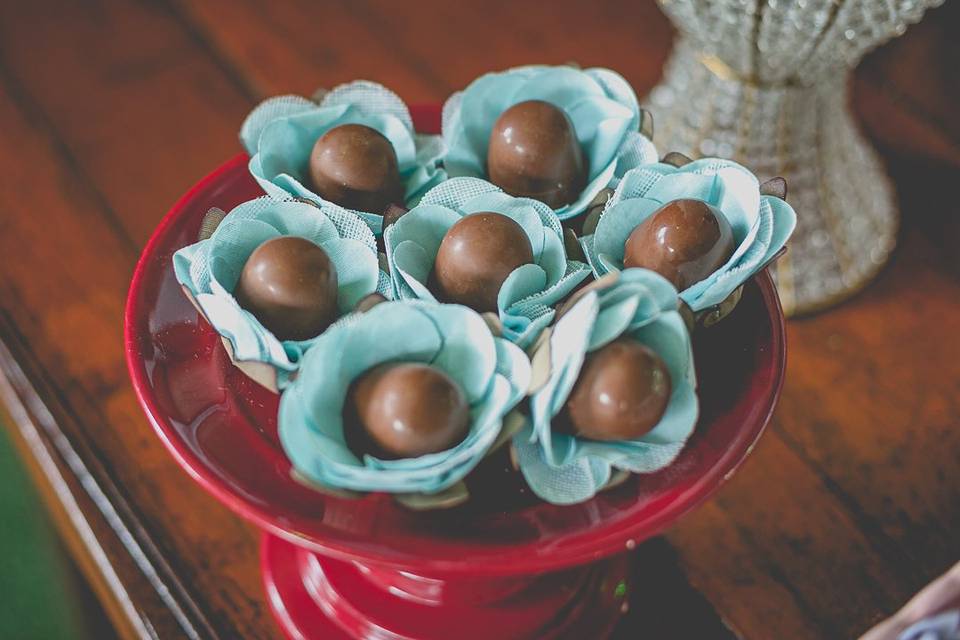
221,427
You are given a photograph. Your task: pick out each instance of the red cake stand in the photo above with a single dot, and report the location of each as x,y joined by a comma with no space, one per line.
505,565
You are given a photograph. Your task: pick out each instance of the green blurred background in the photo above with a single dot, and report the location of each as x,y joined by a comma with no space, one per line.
42,595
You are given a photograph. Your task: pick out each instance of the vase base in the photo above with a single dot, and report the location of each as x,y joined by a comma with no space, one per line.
314,597
847,220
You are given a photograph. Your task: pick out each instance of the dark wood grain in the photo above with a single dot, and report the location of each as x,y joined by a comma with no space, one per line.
109,111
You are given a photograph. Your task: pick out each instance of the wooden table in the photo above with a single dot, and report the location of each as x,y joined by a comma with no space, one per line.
110,110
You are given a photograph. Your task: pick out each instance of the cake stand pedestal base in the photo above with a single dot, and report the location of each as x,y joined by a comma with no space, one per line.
314,597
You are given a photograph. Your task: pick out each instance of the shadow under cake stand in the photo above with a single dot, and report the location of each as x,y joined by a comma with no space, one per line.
504,565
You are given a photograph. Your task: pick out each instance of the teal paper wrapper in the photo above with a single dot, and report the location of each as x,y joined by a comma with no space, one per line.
599,102
280,133
493,373
565,469
761,224
527,297
210,269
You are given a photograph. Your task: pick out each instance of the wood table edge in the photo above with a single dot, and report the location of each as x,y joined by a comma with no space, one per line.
89,521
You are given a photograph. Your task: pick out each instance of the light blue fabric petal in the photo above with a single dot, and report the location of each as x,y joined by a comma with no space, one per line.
239,327
469,352
482,103
611,322
569,484
425,224
677,423
658,295
412,287
784,222
286,143
514,366
603,124
268,111
184,259
669,338
357,271
387,332
369,98
528,295
761,225
617,223
492,372
638,456
568,347
682,184
553,257
616,88
411,262
597,184
453,193
461,158
412,244
641,305
636,151
519,210
231,245
289,218
562,86
523,326
281,132
522,282
210,269
600,104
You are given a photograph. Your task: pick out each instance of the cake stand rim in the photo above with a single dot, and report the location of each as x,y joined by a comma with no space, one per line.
584,548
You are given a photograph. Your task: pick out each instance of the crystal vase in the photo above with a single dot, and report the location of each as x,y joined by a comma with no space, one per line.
766,83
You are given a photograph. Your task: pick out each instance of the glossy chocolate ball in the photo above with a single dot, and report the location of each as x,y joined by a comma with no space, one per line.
409,409
356,167
684,241
290,285
476,256
621,394
534,153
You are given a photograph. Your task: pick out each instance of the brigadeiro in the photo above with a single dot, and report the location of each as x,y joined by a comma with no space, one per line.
475,257
534,153
355,166
621,394
406,410
684,241
290,285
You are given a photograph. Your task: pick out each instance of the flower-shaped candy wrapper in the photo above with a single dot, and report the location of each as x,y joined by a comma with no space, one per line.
492,372
210,269
635,303
600,104
525,301
761,224
279,134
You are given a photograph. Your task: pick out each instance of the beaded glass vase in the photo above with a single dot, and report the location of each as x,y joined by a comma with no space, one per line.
766,83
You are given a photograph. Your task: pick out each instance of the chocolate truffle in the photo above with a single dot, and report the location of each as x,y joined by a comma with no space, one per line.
684,241
355,166
290,285
534,153
621,394
476,256
405,410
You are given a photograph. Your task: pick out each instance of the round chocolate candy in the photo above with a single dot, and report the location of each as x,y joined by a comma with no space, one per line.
534,153
621,394
290,285
405,410
476,256
684,241
355,166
